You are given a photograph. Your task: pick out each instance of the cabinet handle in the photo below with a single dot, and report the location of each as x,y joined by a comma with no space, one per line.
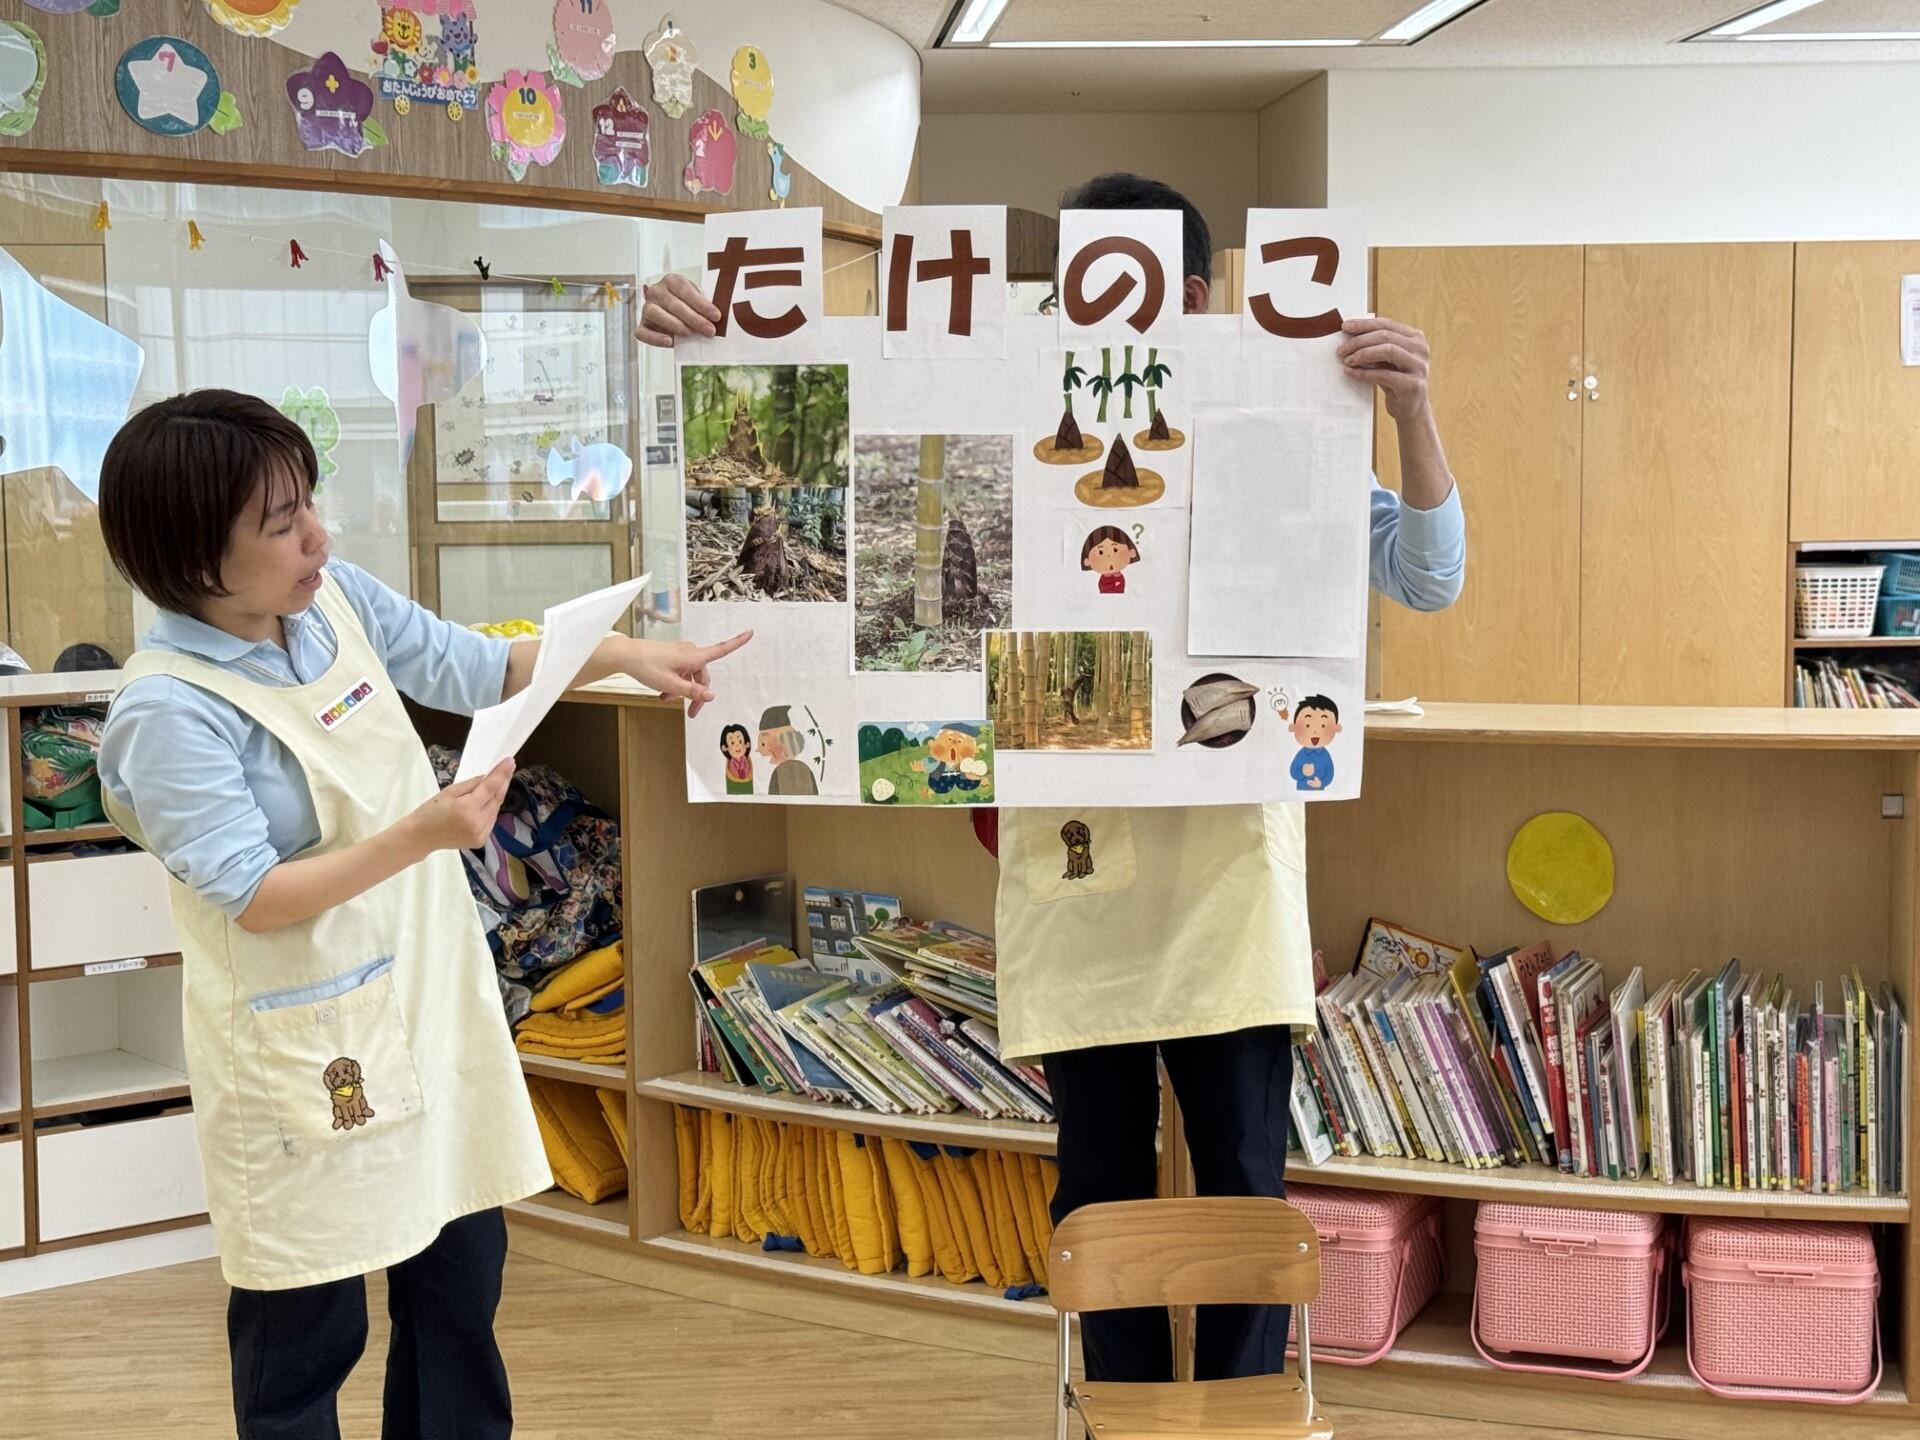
1573,388
1592,382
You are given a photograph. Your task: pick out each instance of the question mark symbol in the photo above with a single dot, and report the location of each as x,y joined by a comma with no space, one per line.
1139,531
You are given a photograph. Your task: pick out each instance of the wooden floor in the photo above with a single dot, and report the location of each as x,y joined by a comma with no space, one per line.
143,1357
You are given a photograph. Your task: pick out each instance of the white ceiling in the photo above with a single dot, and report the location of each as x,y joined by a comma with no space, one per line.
1496,33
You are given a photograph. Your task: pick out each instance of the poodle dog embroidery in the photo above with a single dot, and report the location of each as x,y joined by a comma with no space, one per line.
1079,841
346,1088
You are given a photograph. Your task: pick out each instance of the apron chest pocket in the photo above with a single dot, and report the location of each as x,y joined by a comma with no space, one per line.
335,1057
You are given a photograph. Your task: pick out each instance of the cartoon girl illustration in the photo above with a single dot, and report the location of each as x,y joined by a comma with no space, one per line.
1110,550
737,746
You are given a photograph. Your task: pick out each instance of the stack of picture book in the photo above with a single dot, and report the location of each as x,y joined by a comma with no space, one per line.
1726,1079
1827,684
905,1026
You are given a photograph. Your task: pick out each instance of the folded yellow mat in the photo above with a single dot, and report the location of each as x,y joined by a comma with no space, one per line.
573,1128
594,975
613,1105
718,1149
582,1030
965,1204
909,1207
686,1148
610,1055
867,1221
793,1165
1007,1249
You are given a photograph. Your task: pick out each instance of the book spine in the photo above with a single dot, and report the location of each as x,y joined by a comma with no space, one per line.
1556,1073
1353,1067
1610,1111
1518,1092
1327,1053
1336,1123
1373,1053
1654,1100
1475,1124
1424,1075
1590,1108
1703,1172
1803,1090
1749,1092
1830,1134
1785,1091
1873,1113
1524,1040
1474,1052
1817,1107
1576,1101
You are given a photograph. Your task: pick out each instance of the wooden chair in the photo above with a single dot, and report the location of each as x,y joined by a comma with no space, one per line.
1209,1250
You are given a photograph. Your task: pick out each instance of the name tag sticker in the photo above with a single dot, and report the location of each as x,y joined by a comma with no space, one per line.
333,716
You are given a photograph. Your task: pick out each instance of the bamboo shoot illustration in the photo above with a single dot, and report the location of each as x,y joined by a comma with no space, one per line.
929,530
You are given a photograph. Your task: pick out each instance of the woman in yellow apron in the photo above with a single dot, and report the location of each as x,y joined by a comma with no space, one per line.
357,1097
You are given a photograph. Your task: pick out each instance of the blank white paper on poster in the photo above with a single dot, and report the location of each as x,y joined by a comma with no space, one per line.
1279,533
943,279
1121,276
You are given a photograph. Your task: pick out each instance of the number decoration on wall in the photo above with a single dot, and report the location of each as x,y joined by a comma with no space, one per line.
670,55
169,87
622,140
333,109
437,69
714,149
525,120
582,45
23,75
253,17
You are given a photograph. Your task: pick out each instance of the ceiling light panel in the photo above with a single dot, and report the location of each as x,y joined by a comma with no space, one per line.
1237,24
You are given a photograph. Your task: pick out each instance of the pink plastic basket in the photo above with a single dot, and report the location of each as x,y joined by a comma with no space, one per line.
1380,1263
1579,1283
1783,1310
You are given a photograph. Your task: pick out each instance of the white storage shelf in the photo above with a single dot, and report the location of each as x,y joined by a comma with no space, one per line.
13,1209
9,1056
101,907
9,948
107,1038
111,1177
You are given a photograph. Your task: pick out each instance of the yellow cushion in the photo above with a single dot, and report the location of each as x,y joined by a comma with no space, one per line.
573,1030
583,1156
686,1148
1007,1249
773,1182
864,1226
837,1213
720,1167
749,1218
1030,1210
793,1169
909,1207
613,1105
813,1190
593,976
969,1216
944,1230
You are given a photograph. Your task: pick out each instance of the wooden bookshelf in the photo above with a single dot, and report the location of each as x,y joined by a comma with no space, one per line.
1749,832
113,967
575,1072
714,1092
1863,642
605,1219
1537,1185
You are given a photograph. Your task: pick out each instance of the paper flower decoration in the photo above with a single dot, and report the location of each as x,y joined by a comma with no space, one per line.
622,144
583,40
332,109
66,380
23,75
420,352
524,119
252,17
61,7
671,58
713,147
752,81
312,410
171,88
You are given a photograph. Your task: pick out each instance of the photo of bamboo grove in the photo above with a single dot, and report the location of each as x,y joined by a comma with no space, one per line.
767,462
933,549
1070,689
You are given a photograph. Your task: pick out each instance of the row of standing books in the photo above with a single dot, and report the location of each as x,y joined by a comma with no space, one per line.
1826,684
1731,1079
906,1028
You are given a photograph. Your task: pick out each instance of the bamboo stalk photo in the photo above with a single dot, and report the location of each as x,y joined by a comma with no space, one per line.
1071,689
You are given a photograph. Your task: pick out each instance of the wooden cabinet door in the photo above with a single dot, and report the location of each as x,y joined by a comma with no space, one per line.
1683,568
1505,326
1856,408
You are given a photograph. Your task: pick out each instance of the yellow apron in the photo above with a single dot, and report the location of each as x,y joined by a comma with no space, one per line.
1152,924
355,1086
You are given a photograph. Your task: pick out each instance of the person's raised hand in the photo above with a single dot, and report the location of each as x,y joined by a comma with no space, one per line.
673,309
461,816
679,669
1391,357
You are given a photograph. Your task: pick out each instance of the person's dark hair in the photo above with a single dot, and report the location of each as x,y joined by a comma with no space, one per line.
176,478
85,656
1317,702
1107,532
1122,191
741,731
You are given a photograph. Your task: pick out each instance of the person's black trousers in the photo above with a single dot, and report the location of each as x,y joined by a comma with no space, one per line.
1233,1092
293,1349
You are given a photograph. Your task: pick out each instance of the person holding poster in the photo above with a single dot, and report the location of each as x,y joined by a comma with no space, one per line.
1127,936
356,1094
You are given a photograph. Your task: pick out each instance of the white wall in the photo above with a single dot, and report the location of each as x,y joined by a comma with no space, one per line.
846,90
1030,159
1292,159
1672,153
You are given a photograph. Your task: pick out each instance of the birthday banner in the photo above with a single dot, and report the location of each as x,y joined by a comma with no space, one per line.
1113,556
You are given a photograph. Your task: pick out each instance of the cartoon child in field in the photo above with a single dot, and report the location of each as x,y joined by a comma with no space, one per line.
954,748
1109,551
1316,720
737,746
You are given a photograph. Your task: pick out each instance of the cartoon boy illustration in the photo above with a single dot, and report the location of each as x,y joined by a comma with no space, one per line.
782,744
1109,550
952,747
738,748
1316,720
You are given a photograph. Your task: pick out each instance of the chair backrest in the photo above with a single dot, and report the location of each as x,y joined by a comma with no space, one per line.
1205,1250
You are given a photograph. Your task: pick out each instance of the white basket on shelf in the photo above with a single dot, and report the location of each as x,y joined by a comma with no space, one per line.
1835,601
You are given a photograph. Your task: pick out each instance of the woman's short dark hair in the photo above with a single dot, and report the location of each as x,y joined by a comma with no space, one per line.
176,478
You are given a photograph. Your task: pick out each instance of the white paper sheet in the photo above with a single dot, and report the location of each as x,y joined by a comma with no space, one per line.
1143,282
1910,319
1306,273
1279,534
768,304
568,638
919,311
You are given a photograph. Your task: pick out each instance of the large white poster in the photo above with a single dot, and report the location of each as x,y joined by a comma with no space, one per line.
1125,568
